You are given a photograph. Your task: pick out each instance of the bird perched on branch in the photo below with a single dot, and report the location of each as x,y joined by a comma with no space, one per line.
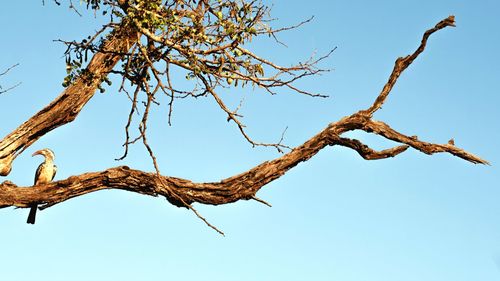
44,174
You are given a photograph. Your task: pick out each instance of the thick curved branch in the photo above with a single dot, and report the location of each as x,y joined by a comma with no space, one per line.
183,193
242,186
70,102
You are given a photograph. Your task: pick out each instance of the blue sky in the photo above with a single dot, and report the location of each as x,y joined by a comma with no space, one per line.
336,217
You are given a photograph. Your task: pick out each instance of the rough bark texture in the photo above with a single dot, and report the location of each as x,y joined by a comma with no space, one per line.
70,102
182,192
243,186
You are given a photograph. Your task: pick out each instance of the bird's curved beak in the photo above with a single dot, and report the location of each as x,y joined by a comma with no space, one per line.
38,152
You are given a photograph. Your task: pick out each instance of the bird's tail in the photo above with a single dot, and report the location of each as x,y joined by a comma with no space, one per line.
32,215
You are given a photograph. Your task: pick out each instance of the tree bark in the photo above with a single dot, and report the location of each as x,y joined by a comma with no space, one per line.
182,192
69,103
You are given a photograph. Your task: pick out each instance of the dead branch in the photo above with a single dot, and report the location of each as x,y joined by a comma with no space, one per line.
244,186
402,63
182,192
4,90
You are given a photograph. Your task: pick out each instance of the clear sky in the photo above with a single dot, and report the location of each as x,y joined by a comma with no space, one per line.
336,217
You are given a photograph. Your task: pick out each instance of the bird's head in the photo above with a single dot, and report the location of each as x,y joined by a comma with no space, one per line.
47,153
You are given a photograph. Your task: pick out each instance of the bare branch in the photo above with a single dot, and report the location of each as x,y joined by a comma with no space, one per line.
182,192
369,154
205,221
261,201
402,63
244,186
386,131
2,90
232,116
8,69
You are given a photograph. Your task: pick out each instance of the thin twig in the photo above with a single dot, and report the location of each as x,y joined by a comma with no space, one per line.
261,201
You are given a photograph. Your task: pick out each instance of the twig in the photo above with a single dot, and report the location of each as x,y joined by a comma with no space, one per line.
261,201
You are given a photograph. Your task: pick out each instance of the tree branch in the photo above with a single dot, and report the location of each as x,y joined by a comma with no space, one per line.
368,153
4,90
182,192
402,63
70,102
387,132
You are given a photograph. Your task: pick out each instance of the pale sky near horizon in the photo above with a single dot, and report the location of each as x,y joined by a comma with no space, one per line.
335,217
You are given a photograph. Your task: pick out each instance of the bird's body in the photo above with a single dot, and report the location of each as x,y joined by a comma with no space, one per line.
44,174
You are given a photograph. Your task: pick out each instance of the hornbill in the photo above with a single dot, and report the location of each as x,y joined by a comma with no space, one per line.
44,174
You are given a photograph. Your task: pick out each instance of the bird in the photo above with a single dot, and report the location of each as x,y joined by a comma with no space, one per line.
44,173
